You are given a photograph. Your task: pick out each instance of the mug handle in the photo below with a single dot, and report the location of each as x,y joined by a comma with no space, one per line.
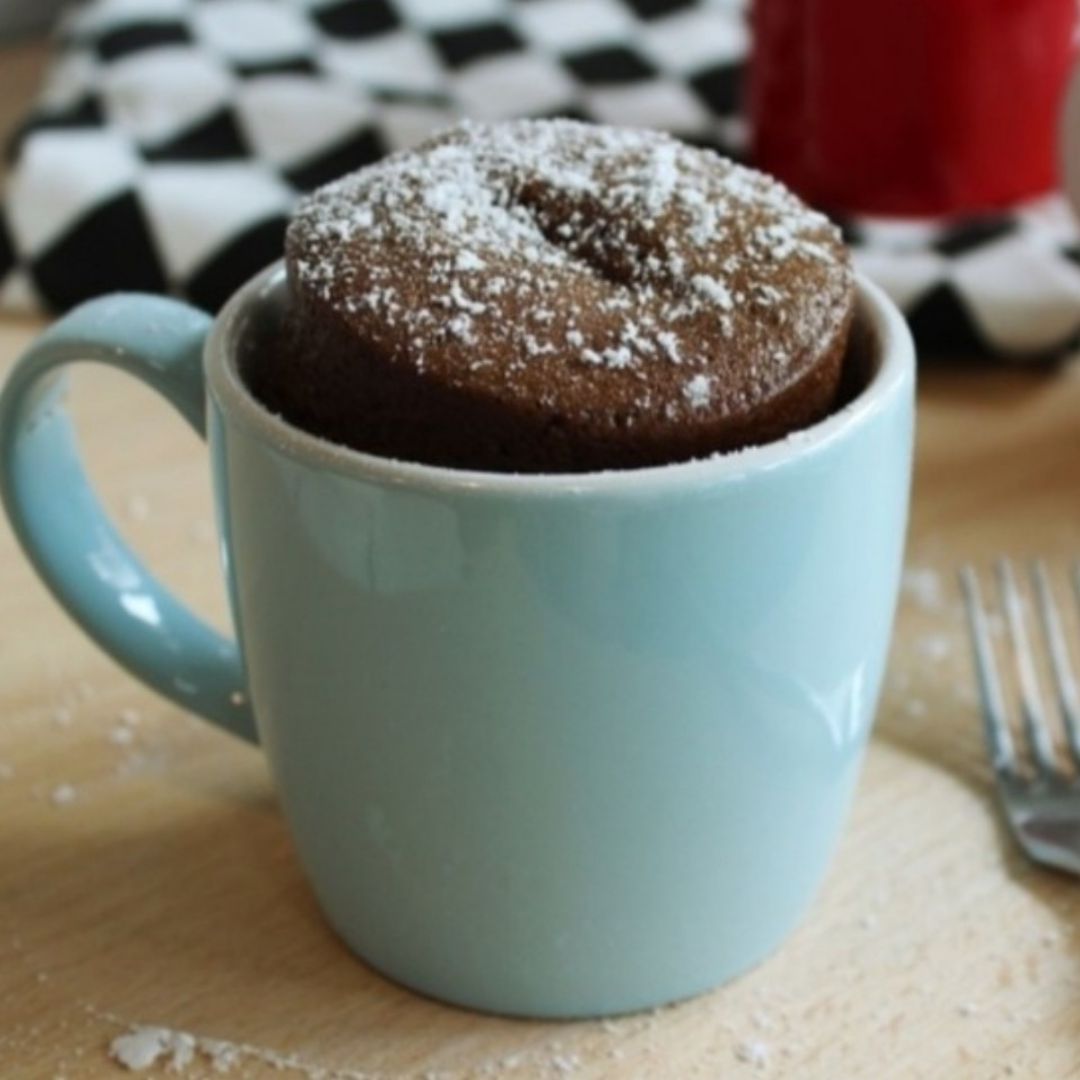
62,527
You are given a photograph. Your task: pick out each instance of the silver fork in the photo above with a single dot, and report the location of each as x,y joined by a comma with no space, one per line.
1039,791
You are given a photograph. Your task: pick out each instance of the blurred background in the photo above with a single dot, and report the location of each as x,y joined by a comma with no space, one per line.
22,17
165,140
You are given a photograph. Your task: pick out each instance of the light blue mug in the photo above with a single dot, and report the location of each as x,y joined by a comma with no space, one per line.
548,745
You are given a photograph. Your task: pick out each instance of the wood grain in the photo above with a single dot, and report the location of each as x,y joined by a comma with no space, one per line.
166,892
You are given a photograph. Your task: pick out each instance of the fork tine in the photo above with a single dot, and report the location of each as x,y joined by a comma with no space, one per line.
1064,680
999,739
1031,711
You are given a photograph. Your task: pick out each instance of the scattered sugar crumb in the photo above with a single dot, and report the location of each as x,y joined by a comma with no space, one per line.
121,735
130,717
935,647
223,1055
138,507
564,1064
924,586
141,1048
146,1046
915,707
968,1008
63,795
62,716
753,1053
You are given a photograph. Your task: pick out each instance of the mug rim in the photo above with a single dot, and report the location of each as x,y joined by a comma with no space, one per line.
895,365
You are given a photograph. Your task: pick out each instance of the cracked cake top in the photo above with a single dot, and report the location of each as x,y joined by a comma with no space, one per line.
615,282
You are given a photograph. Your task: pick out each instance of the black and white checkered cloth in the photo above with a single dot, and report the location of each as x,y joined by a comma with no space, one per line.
172,136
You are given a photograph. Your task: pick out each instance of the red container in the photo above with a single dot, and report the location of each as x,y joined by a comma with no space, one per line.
910,107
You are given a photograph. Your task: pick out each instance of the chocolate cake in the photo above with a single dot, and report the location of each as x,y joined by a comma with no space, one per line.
551,296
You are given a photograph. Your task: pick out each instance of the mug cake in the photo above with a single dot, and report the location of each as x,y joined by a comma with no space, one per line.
553,296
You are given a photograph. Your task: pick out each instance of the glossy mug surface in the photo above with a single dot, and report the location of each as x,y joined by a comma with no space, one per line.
548,745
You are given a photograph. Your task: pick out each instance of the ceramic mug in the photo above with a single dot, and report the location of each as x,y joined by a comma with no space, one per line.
549,745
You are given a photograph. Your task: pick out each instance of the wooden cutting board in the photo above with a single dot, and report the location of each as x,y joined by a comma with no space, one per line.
146,877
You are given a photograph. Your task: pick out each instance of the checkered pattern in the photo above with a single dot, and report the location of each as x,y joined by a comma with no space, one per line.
1005,285
172,136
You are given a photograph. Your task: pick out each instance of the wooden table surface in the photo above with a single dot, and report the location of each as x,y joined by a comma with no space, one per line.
146,877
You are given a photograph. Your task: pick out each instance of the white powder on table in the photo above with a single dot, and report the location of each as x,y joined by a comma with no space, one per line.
923,585
753,1053
146,1046
63,795
935,647
763,1021
564,1064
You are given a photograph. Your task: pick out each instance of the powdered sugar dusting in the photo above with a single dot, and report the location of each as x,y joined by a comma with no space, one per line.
466,260
713,289
698,391
610,255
